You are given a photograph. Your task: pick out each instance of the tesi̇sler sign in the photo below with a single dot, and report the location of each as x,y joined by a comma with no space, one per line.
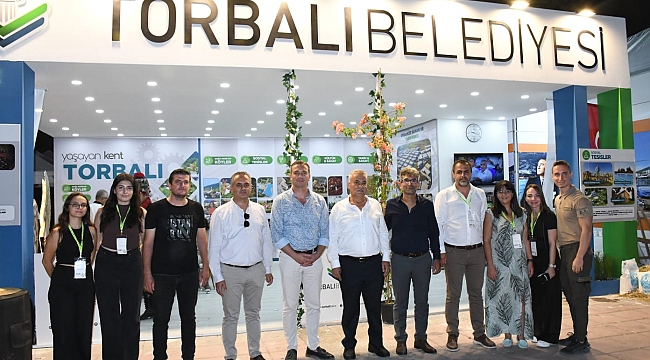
18,20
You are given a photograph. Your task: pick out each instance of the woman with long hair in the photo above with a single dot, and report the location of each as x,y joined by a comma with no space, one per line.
507,251
72,289
545,285
118,272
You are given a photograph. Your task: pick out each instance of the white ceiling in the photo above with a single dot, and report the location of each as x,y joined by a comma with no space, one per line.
188,96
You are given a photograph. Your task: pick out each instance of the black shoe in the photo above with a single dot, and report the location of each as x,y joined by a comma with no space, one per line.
401,348
258,357
570,338
452,342
319,353
577,347
423,345
349,354
378,350
292,354
147,314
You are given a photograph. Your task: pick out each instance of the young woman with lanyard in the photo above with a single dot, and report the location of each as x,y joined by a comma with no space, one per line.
507,251
118,272
72,290
545,285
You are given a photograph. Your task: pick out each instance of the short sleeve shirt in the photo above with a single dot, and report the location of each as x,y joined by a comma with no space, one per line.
569,208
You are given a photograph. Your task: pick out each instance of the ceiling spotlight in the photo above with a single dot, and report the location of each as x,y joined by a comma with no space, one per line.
326,135
162,129
99,111
219,100
391,104
502,117
224,85
163,135
474,93
586,13
358,88
296,87
155,99
260,121
160,121
353,122
208,129
248,135
489,108
90,98
420,91
76,82
75,135
532,109
363,135
322,113
210,121
417,115
108,121
53,120
307,122
114,128
269,113
460,117
519,4
65,128
443,105
39,110
157,111
253,129
120,135
525,97
152,83
338,102
280,101
214,112
206,135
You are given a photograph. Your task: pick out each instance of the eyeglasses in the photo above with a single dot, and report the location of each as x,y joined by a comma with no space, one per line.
410,181
78,206
504,191
246,217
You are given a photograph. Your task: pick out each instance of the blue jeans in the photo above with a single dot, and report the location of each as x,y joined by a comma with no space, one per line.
185,287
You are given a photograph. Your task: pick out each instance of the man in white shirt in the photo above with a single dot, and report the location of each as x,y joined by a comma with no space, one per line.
241,252
100,199
460,211
483,175
360,256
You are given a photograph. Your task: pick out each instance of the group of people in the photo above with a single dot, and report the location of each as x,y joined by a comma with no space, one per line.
459,233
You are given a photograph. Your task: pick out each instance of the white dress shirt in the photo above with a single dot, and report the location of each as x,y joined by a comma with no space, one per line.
460,219
232,243
357,233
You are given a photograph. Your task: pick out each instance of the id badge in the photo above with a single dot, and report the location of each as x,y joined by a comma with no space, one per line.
471,219
533,248
516,241
121,246
80,268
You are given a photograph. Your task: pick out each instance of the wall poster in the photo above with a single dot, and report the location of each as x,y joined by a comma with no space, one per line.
418,147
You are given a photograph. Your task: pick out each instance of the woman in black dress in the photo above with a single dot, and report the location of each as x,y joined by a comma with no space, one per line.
545,285
72,289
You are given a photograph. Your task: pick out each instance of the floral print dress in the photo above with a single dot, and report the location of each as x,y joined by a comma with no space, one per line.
503,297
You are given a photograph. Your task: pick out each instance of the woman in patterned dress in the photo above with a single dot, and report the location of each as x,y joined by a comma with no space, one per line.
507,251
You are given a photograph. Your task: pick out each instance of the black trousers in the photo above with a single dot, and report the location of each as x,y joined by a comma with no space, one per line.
118,281
547,306
577,287
72,304
185,287
361,278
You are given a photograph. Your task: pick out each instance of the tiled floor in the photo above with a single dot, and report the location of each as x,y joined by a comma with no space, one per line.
619,328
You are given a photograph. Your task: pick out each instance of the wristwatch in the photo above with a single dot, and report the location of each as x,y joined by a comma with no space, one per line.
530,260
552,265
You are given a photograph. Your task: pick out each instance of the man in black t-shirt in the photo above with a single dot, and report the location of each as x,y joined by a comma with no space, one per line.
175,228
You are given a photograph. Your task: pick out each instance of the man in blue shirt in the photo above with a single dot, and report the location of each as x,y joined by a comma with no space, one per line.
300,229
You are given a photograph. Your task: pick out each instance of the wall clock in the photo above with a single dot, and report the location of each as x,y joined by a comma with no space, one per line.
473,132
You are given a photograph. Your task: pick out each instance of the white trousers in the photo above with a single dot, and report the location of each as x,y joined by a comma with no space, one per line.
311,277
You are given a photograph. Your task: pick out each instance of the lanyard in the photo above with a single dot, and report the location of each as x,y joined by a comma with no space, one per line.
533,221
468,203
80,245
120,215
514,227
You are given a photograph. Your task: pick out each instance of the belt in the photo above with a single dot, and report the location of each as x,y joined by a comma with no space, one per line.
360,259
241,266
114,252
412,254
468,247
311,251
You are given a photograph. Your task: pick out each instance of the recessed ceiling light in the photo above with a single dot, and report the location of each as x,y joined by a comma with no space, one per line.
108,121
489,108
474,93
53,120
269,113
460,117
353,122
371,114
224,85
443,105
417,115
296,87
75,135
155,99
90,98
39,110
157,111
532,109
206,135
260,121
65,128
307,122
338,102
519,4
76,82
120,135
162,129
502,117
214,112
419,91
163,134
280,101
208,129
525,97
391,104
358,88
363,135
586,13
99,111
210,121
152,83
160,121
219,100
326,135
114,128
322,113
253,129
248,135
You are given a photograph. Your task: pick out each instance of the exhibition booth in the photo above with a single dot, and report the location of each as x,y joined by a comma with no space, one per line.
465,70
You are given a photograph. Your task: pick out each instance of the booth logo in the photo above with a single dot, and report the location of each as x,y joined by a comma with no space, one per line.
586,155
14,27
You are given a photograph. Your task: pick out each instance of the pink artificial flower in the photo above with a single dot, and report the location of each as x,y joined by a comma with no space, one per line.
377,167
401,118
353,135
339,128
399,106
335,123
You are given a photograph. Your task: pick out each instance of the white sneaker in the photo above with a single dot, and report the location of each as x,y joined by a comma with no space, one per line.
542,344
534,339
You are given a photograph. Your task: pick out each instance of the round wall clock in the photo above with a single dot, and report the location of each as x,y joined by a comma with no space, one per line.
473,132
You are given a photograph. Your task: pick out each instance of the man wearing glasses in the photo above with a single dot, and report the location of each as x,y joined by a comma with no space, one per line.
241,252
414,239
299,228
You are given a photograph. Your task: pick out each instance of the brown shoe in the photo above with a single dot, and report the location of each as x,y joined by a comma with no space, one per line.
423,345
452,342
484,341
401,348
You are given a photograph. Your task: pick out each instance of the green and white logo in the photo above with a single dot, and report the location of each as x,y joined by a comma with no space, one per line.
14,27
586,155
